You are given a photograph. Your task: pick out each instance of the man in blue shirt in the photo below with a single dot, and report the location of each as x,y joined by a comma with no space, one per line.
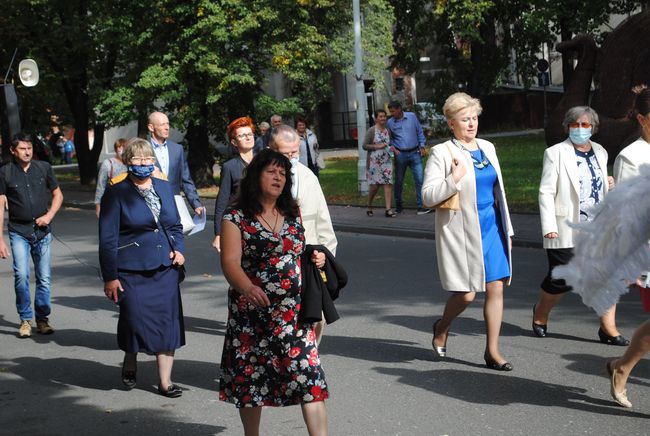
170,159
407,143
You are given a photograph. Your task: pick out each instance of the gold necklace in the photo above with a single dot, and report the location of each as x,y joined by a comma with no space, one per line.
277,217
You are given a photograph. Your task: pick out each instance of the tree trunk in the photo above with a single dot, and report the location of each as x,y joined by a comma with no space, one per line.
483,58
567,61
200,158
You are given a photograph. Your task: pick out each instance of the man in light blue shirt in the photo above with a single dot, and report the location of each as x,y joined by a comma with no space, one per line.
407,143
170,159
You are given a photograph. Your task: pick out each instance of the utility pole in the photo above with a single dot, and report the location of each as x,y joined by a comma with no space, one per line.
360,98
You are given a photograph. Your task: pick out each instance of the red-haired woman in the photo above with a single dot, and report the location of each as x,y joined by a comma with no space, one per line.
241,133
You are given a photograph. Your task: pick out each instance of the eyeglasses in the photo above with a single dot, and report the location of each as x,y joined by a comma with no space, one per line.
576,125
292,154
143,160
245,136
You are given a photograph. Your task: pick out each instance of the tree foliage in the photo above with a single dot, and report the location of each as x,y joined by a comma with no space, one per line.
480,38
202,61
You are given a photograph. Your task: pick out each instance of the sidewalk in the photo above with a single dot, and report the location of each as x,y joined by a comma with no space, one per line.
351,219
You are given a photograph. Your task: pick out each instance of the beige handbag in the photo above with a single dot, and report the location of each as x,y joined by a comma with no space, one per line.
453,202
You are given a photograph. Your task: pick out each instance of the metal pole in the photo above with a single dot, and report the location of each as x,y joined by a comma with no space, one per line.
360,99
10,65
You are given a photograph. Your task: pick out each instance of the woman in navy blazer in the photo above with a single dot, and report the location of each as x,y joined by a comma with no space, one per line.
141,255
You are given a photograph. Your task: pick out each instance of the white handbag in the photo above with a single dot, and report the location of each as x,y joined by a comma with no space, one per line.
183,211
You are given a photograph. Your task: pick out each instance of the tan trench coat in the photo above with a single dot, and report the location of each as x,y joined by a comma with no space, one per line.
458,233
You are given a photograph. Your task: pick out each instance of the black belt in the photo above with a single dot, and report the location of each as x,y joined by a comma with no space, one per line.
407,150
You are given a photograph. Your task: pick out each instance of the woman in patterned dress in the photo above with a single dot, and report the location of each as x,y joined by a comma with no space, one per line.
574,179
379,164
269,357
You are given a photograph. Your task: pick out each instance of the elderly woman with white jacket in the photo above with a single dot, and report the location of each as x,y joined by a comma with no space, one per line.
472,243
574,179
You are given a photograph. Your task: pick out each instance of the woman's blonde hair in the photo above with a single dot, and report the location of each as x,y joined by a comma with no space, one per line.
459,101
137,146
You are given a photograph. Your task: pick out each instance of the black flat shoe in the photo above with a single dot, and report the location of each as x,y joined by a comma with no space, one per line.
390,213
538,329
128,379
369,212
612,340
173,391
492,364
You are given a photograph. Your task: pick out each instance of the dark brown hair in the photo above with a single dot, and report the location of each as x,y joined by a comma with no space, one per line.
248,195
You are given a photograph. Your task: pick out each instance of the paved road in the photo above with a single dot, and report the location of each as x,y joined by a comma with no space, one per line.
382,374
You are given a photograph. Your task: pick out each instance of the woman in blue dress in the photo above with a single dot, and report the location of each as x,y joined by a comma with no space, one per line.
472,243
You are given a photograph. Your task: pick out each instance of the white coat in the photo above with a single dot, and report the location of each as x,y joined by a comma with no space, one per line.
629,160
313,209
559,191
458,233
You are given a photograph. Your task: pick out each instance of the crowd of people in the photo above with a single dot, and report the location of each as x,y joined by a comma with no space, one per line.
271,207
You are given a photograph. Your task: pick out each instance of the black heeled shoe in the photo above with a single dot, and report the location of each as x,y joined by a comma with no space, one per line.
612,340
538,329
440,351
492,364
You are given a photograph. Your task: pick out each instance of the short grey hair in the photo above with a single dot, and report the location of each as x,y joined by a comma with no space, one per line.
576,112
284,133
264,125
276,116
137,146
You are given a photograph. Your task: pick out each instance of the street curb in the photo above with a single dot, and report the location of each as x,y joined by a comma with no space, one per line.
351,228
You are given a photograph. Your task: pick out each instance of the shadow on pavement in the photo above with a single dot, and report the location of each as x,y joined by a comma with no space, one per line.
53,410
503,390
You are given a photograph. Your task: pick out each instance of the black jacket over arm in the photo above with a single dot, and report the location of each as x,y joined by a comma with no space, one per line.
317,296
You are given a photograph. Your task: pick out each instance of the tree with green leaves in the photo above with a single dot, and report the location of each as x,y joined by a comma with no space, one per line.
479,38
77,45
204,62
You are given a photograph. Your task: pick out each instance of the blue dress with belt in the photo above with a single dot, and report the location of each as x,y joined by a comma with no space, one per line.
495,250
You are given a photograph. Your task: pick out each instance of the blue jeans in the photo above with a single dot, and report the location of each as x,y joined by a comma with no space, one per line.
21,249
403,160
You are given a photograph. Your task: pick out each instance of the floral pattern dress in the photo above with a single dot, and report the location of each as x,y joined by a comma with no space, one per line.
270,357
380,165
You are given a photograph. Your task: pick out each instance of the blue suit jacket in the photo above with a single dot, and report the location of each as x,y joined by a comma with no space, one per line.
129,237
179,174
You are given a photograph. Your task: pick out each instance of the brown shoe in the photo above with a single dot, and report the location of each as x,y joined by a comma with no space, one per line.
25,329
44,328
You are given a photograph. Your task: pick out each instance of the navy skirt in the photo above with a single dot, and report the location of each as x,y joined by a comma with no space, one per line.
151,312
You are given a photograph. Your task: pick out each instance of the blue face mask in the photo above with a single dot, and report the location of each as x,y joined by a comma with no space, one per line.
579,135
141,171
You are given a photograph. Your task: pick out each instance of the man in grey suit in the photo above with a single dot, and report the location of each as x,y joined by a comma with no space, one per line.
170,159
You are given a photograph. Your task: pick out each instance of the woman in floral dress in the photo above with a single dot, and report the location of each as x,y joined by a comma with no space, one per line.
269,357
379,163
